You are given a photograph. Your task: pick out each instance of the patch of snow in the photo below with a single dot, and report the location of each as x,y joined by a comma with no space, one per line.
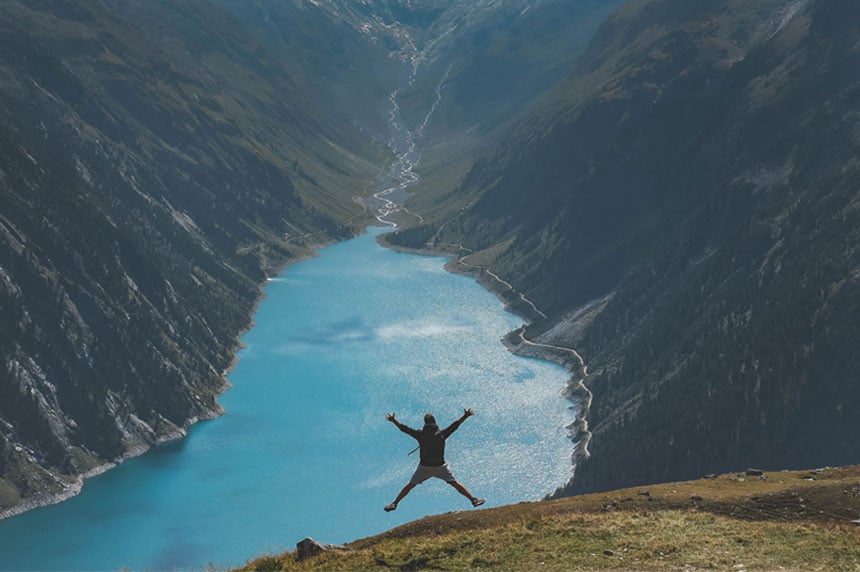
7,284
778,23
83,170
27,154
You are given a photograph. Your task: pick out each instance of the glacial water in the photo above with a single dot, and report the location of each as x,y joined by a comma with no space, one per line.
304,449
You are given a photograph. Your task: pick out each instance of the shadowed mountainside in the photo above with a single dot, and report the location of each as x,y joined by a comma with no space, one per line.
480,65
698,176
157,160
776,521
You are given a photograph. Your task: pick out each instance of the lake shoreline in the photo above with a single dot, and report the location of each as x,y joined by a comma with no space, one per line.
72,485
76,483
576,391
279,379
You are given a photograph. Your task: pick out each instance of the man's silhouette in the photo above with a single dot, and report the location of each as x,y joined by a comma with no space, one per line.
431,441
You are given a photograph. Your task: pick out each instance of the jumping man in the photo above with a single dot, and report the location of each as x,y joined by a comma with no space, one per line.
432,464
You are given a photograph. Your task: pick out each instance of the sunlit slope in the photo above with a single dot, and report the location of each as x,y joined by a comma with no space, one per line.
776,521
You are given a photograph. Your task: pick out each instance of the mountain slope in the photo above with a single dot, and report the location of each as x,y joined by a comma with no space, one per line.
496,57
157,160
763,285
696,181
478,66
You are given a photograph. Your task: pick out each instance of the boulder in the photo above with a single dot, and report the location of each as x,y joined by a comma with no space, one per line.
309,547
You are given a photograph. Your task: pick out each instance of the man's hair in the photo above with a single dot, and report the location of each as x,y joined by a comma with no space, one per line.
429,419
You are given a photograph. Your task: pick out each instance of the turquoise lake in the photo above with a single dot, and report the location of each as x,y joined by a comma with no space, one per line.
304,449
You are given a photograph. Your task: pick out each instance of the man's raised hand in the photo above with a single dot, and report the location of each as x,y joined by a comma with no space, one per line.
468,413
390,417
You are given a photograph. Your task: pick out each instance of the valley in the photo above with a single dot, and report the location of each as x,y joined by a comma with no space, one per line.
666,192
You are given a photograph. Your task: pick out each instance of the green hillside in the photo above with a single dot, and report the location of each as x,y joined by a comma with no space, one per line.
795,521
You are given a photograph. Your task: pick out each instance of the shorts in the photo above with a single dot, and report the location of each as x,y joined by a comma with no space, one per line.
422,473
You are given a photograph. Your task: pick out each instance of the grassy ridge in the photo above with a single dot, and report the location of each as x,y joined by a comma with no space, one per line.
791,520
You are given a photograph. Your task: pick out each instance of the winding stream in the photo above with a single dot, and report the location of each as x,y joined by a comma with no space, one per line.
404,143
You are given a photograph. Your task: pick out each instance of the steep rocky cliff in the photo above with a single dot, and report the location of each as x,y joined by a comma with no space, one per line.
742,348
157,160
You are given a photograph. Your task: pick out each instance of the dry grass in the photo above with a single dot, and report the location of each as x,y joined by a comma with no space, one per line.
790,521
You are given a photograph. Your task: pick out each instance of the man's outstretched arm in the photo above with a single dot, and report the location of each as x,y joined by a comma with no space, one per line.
406,429
453,426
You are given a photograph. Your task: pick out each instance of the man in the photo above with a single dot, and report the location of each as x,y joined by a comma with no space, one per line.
431,441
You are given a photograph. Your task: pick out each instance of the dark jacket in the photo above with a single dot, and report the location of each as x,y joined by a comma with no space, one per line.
432,442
